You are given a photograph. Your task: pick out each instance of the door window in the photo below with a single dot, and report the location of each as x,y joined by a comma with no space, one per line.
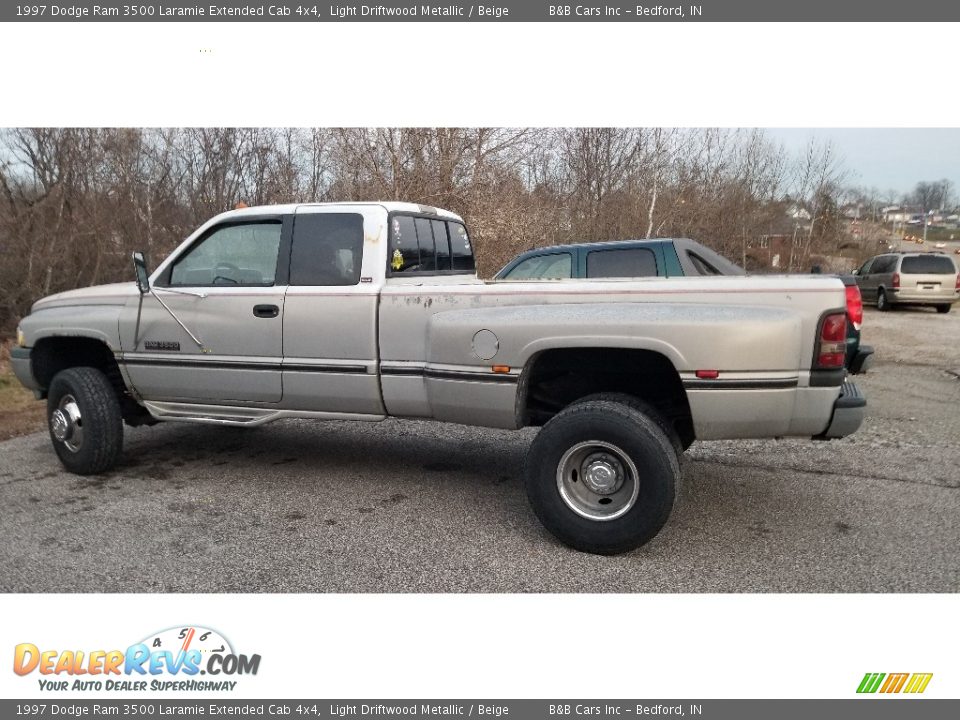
555,266
883,264
238,254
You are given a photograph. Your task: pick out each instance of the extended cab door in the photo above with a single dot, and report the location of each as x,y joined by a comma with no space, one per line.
330,348
225,290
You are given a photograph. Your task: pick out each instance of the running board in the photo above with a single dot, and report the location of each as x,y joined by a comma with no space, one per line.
241,416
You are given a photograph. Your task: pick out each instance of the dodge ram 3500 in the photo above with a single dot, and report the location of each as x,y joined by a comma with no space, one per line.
364,311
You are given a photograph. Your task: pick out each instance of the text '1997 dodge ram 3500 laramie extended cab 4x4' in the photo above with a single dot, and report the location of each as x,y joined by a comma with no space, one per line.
364,311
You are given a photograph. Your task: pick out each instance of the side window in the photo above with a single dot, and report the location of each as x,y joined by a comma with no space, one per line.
237,254
327,249
865,268
555,266
460,248
634,262
702,266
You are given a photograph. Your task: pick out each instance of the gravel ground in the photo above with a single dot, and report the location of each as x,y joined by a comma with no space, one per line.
424,507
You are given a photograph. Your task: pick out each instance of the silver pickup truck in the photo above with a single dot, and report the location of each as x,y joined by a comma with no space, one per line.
363,311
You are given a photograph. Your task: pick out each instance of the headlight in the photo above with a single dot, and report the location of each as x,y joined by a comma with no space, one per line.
21,338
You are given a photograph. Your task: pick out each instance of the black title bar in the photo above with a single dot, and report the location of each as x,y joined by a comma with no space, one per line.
500,11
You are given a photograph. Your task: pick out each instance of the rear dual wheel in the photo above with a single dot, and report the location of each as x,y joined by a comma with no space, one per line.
602,475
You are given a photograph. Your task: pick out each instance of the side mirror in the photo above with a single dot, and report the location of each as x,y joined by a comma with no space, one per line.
143,277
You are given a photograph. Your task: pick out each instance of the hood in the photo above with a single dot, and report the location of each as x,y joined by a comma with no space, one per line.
112,294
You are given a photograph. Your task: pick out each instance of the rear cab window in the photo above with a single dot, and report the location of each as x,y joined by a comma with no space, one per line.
428,245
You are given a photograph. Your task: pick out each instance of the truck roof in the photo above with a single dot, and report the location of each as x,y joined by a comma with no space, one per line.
389,206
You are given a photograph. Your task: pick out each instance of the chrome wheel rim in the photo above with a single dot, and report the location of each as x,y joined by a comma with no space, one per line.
598,480
66,423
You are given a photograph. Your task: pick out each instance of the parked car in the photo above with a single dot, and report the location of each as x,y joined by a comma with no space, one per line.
909,279
363,311
662,257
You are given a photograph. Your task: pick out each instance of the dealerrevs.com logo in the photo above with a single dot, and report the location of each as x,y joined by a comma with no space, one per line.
180,659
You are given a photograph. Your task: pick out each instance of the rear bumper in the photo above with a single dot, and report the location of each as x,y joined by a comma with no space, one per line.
848,412
916,297
20,362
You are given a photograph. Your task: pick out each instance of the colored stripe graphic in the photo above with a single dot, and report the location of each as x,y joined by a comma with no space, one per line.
894,682
918,683
870,682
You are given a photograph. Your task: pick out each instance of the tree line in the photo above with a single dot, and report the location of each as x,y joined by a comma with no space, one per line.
75,202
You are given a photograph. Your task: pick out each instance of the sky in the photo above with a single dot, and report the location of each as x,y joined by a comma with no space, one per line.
885,158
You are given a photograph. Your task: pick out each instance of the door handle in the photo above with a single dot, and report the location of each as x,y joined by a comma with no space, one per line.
266,311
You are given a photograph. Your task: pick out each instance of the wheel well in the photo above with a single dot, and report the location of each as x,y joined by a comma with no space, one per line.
51,355
556,378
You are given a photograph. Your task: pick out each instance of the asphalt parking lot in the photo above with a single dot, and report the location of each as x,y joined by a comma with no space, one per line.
422,507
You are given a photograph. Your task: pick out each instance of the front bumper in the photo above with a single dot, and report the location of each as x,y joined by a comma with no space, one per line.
20,362
848,412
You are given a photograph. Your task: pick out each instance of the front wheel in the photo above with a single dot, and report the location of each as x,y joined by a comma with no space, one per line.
602,476
86,425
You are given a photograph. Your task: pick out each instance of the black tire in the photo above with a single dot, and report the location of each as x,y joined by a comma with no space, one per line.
943,309
882,303
642,407
625,433
86,402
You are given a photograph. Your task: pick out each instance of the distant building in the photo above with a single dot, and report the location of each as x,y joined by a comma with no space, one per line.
903,214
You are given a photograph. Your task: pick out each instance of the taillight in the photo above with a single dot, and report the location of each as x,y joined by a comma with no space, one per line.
832,344
957,286
895,282
854,306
